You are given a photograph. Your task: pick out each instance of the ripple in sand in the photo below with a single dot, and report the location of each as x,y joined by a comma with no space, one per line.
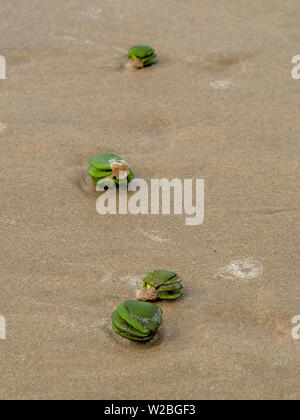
217,62
245,269
92,13
2,127
105,329
134,282
156,238
221,84
85,183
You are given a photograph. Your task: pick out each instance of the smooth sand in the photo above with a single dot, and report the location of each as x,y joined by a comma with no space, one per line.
221,105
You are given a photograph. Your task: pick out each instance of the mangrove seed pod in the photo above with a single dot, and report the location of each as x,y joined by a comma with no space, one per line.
142,56
112,168
137,321
161,284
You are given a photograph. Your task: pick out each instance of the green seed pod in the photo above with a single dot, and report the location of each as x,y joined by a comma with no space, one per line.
110,168
161,284
137,321
142,56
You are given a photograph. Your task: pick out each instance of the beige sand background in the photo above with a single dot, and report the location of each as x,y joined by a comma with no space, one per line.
64,268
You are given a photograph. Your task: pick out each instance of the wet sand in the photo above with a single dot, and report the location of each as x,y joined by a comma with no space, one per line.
220,105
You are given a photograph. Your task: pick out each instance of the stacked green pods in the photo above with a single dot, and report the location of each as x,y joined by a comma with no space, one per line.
143,56
110,168
137,321
161,284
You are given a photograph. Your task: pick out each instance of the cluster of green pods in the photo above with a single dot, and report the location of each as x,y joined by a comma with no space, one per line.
109,168
137,321
140,320
142,56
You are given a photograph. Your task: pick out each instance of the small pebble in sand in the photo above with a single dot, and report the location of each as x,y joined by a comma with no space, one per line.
145,295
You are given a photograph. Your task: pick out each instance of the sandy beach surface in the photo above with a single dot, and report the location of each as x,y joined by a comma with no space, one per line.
221,105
